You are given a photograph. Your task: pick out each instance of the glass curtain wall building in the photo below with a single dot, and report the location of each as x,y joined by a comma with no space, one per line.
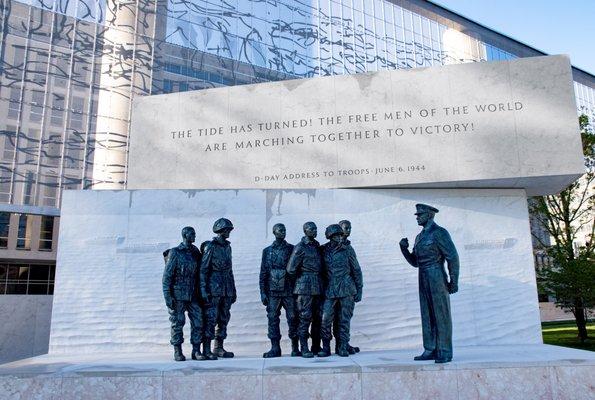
70,69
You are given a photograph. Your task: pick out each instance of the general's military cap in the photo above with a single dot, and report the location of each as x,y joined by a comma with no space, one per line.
424,208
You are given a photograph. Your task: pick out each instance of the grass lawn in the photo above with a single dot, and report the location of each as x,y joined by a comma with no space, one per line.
565,334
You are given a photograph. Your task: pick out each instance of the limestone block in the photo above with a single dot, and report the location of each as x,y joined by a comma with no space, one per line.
573,382
213,386
505,383
37,387
111,388
498,124
411,385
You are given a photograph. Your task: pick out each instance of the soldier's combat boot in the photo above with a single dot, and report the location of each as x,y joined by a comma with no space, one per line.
336,346
326,349
304,347
352,349
275,350
343,350
206,350
316,346
220,351
196,354
295,348
178,356
441,358
426,355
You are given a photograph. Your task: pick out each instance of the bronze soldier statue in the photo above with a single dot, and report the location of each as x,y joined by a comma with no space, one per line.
432,247
305,265
276,291
343,279
180,290
346,227
217,288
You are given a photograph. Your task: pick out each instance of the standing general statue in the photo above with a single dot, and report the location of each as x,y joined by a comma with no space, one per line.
432,247
180,290
218,289
276,291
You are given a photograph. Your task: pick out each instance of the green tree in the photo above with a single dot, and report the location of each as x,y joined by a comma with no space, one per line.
570,276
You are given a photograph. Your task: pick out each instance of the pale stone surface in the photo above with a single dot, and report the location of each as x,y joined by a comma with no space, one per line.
516,146
161,363
526,383
27,335
42,388
494,372
213,387
570,383
335,386
298,365
111,388
116,303
410,385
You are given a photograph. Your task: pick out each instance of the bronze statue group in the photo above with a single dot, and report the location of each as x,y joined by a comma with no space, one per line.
317,285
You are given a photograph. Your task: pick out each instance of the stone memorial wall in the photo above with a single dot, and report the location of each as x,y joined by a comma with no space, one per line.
499,124
108,295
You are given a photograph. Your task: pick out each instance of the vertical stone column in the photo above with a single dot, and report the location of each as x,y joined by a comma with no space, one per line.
118,68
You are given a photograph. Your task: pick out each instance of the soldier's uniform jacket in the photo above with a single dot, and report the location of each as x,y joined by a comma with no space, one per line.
274,280
342,273
305,264
433,246
216,274
347,243
181,274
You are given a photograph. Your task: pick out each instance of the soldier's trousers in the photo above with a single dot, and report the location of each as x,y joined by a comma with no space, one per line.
274,312
309,313
336,323
344,305
434,301
217,318
178,319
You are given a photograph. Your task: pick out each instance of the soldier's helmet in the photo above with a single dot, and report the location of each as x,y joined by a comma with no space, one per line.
334,229
222,224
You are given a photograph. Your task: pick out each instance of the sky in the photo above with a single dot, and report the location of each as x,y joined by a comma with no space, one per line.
552,26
